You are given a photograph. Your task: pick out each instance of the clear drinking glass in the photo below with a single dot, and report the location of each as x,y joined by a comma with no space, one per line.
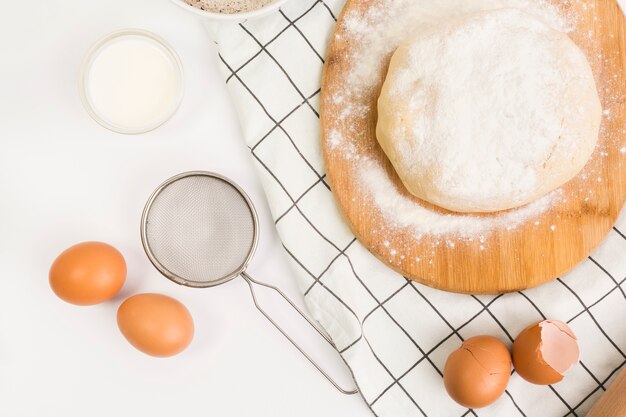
93,53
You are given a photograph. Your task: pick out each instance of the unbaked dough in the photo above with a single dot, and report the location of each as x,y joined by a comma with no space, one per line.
488,112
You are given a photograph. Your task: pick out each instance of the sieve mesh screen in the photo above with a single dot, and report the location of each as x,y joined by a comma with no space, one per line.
200,228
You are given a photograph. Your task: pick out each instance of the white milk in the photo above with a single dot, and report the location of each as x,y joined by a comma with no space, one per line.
132,82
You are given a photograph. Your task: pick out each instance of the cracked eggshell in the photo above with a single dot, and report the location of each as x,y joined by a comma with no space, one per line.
477,373
544,351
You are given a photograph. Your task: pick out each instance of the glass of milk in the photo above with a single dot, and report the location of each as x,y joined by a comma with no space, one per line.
131,81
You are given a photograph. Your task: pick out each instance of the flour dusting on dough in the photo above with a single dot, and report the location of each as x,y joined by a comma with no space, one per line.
373,35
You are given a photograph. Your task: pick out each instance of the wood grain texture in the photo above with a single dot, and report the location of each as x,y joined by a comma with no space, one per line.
613,401
538,250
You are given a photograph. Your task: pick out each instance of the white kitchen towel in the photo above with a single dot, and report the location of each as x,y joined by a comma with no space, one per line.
393,333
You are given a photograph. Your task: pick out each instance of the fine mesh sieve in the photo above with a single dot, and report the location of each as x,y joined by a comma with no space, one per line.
200,229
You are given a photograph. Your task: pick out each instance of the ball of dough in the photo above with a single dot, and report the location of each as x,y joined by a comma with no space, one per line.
488,112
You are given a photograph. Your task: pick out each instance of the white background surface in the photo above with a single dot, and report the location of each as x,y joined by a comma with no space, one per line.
64,179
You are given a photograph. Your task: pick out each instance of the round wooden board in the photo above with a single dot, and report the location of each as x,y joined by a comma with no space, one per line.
539,250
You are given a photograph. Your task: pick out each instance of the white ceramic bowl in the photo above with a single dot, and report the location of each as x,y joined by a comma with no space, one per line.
232,17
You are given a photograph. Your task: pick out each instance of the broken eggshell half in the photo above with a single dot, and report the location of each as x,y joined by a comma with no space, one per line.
544,351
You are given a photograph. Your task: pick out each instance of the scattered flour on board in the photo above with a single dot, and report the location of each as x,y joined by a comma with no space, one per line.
405,212
376,34
385,26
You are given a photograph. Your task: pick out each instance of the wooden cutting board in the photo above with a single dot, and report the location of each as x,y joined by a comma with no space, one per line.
539,250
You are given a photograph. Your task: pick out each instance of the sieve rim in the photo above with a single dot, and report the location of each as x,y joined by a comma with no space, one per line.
166,272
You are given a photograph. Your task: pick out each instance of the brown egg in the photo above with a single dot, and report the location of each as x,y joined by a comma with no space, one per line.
155,324
88,273
477,373
544,351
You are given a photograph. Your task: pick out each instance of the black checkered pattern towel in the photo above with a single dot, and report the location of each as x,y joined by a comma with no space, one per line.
395,334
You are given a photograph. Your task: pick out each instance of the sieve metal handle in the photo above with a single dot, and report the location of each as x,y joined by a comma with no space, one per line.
250,281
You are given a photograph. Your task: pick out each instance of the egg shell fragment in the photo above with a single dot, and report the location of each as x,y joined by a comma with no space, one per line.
544,351
476,374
